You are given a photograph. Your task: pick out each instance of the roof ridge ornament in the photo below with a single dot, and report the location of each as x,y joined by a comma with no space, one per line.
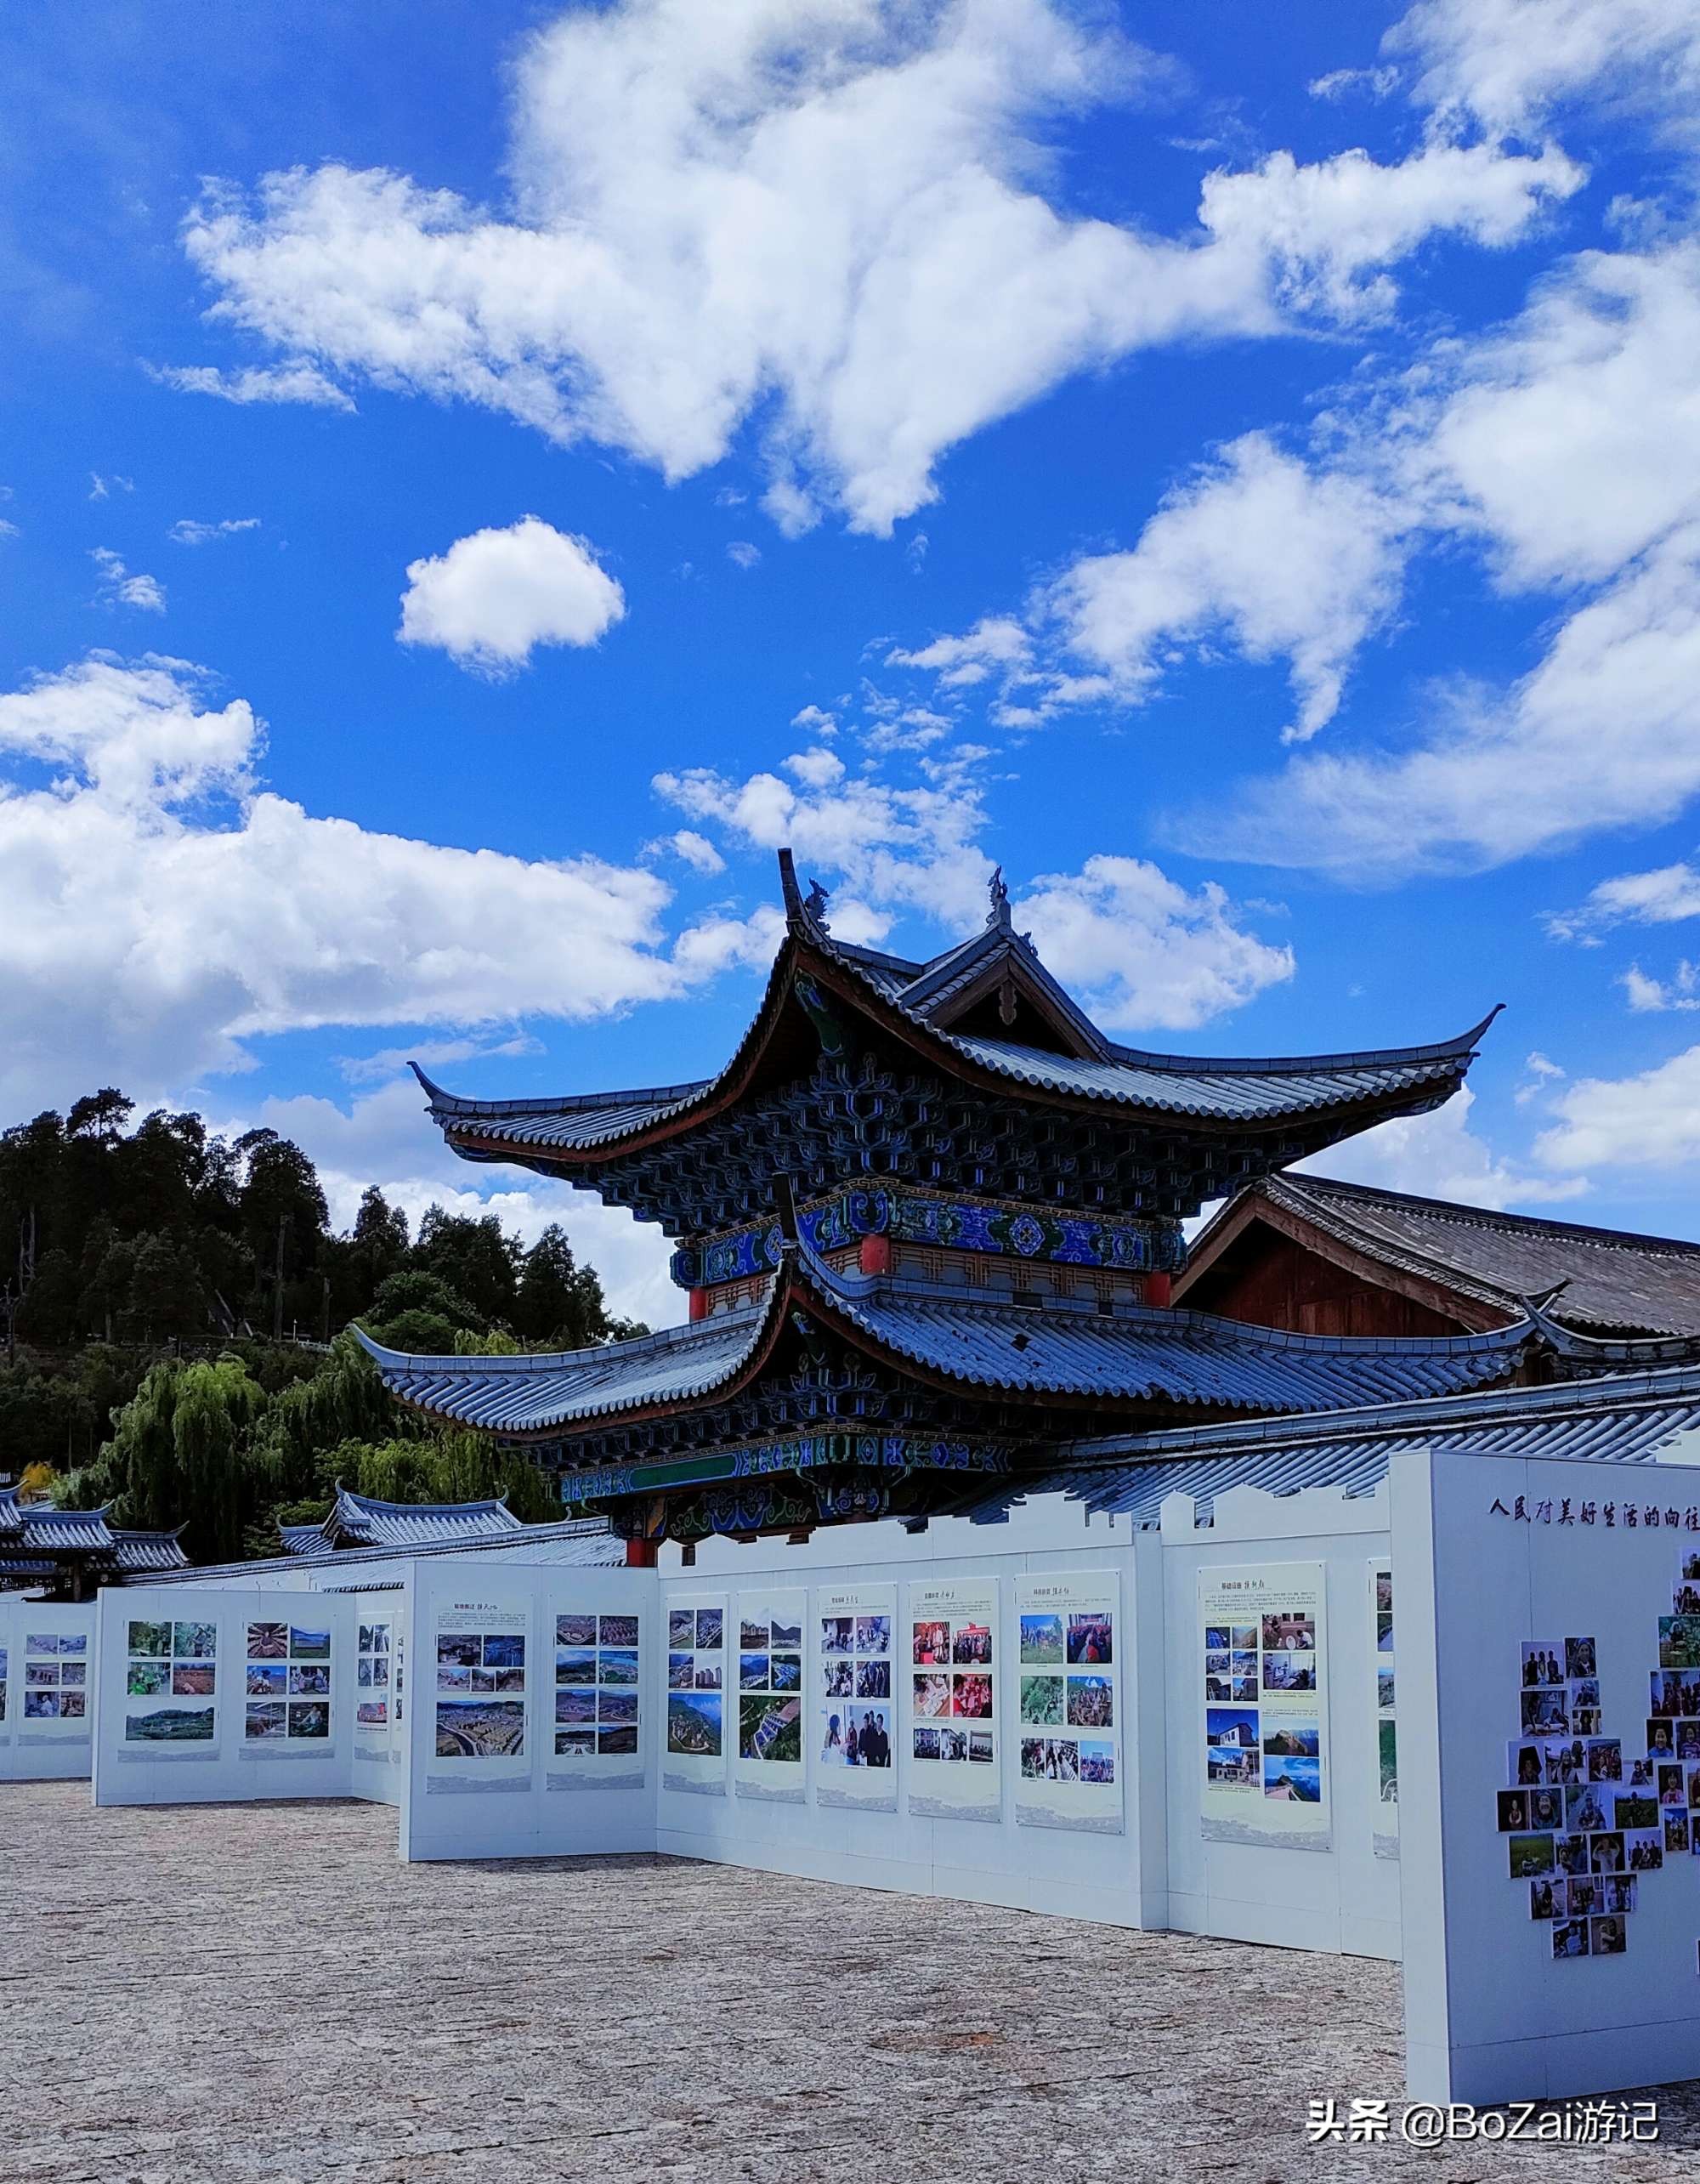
998,916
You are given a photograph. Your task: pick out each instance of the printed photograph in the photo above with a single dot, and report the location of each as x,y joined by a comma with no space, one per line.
309,1680
581,1630
1605,1853
681,1671
194,1641
931,1645
1297,1740
616,1630
616,1742
1635,1811
1384,1593
364,1642
380,1643
150,1638
575,1665
1296,1781
1675,1834
72,1705
1062,1761
1542,1664
1384,1634
1618,1893
752,1635
619,1667
1218,1637
459,1649
1041,1641
309,1721
1289,1671
1384,1689
267,1642
616,1706
1217,1664
44,1644
867,1736
681,1631
709,1671
1091,1702
576,1744
770,1729
147,1679
506,1679
1090,1643
577,1704
1033,1757
372,1713
193,1679
41,1705
363,1672
1546,1898
873,1679
953,1745
1387,1754
874,1634
41,1674
1097,1762
1643,1851
838,1676
1232,1767
1513,1810
1243,1636
972,1645
785,1634
932,1696
1545,1712
785,1671
971,1698
1570,1853
163,1725
504,1649
311,1645
1679,1641
1604,1759
1607,1938
1241,1689
1232,1725
455,1679
487,1729
926,1744
1529,1856
482,1679
752,1671
837,1634
710,1629
1289,1633
263,1724
1218,1689
1546,1808
693,1723
1570,1937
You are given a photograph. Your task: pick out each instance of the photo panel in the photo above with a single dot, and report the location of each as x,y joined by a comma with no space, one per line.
1265,1779
172,1686
951,1638
696,1741
598,1682
481,1670
854,1714
765,1722
1069,1686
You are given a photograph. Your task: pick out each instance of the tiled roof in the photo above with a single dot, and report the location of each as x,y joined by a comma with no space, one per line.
37,1538
1614,1281
1253,1091
1627,1418
584,1543
1134,1354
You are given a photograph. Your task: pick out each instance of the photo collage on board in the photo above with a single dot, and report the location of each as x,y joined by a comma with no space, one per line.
170,1682
856,1714
55,1677
696,1679
1387,1752
770,1690
598,1681
286,1684
1066,1695
480,1694
372,1676
3,1679
1262,1728
1585,1819
952,1685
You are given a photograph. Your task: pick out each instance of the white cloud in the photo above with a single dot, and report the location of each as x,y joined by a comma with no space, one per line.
816,721
997,645
1650,1121
828,204
161,910
186,531
1138,950
1508,63
744,554
1663,897
292,382
697,851
1341,82
1439,1155
118,587
496,595
100,489
815,770
1280,560
385,1138
1646,997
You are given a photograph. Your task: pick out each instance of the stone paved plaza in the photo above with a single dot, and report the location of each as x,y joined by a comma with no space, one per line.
263,1992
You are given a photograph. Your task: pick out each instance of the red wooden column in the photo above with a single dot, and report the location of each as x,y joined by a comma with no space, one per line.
875,1254
1159,1289
640,1554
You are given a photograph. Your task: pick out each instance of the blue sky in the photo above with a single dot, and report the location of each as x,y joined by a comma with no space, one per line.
481,476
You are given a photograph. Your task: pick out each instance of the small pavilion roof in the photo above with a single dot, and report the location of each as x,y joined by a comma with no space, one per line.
38,1542
1062,1349
1612,1282
360,1520
937,1009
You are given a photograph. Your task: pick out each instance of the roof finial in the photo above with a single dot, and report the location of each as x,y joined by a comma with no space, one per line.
788,885
999,916
818,899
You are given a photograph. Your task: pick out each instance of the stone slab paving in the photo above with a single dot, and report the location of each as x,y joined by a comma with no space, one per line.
263,1993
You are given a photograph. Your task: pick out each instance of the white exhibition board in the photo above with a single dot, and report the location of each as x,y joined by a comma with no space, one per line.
47,1690
223,1695
1546,1676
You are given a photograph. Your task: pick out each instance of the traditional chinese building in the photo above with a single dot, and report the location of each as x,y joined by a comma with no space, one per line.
928,1217
69,1554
